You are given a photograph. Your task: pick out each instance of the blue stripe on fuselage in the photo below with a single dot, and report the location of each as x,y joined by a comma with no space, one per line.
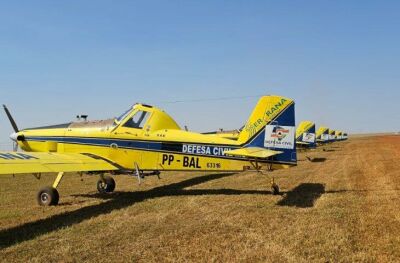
176,147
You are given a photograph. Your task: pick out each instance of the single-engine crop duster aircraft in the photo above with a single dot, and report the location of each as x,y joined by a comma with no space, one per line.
305,135
145,140
338,135
332,137
323,135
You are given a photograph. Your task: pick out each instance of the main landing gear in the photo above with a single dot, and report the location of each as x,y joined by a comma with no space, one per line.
49,195
106,184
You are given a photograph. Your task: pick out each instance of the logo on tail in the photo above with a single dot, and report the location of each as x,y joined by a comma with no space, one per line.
309,137
279,132
281,137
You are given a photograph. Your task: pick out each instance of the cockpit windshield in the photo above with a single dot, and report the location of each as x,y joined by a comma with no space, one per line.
123,115
138,120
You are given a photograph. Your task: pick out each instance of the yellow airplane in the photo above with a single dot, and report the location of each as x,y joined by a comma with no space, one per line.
323,135
145,140
342,136
305,135
331,135
338,135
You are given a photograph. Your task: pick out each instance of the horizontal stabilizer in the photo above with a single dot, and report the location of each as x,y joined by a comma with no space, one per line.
254,152
303,143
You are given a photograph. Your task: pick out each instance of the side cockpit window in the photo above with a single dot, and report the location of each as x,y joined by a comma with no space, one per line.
138,120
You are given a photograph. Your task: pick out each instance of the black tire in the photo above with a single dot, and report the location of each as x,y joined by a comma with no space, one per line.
275,189
48,196
106,186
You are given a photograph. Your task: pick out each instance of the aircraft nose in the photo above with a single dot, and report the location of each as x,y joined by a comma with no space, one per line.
14,136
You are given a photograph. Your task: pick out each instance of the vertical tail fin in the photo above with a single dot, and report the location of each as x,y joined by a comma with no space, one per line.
331,135
338,135
305,133
271,125
323,134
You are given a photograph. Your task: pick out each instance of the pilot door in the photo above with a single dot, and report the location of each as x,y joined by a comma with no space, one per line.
128,144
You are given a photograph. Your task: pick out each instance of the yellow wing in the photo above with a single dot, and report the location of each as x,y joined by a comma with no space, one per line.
255,152
17,163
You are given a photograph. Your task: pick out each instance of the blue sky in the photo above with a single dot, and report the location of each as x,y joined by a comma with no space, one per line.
339,60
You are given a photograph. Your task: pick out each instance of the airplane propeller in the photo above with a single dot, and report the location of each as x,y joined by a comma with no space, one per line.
14,126
10,117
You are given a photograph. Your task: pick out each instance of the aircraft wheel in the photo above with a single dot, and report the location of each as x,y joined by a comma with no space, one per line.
48,196
275,189
106,186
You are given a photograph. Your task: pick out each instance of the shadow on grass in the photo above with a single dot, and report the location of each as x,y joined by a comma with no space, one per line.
316,159
303,196
115,201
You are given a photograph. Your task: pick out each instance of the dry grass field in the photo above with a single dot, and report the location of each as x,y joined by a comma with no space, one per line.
343,207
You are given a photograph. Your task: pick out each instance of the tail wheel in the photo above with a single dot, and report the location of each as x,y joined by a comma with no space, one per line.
106,185
48,196
275,189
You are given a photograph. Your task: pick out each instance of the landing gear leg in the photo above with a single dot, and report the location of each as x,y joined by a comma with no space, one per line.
49,195
274,187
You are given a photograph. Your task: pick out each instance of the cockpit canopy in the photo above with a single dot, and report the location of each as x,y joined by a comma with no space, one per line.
146,117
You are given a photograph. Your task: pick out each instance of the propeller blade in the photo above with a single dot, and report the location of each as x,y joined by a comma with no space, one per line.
13,123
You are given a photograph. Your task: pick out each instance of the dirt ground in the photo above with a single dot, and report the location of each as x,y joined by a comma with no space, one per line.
342,207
